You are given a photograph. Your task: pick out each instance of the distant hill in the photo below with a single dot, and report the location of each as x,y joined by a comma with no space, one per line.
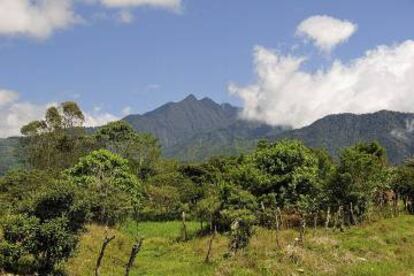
239,137
195,129
393,130
173,123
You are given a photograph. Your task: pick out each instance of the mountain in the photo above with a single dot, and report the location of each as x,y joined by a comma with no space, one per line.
195,129
174,122
393,130
190,129
239,137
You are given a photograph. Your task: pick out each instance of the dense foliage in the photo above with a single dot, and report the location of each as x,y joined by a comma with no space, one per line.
110,188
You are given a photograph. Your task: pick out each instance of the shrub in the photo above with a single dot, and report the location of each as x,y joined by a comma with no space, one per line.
47,230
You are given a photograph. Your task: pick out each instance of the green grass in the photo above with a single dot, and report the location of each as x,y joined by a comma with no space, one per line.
169,229
385,247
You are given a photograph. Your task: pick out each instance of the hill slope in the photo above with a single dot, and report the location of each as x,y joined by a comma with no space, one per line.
195,129
393,130
174,122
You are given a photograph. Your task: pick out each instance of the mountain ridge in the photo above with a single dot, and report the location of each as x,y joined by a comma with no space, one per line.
392,129
195,129
183,128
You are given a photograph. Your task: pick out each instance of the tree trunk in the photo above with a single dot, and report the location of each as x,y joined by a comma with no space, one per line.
184,227
335,225
398,205
134,252
342,218
105,243
302,232
277,227
406,204
351,209
328,218
282,222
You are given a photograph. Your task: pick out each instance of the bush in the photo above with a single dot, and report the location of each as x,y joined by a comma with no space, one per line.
286,169
45,231
362,172
19,186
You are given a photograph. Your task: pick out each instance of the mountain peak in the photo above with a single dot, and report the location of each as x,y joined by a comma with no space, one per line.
174,122
190,98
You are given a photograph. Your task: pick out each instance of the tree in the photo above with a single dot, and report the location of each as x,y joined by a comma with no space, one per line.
141,150
57,141
236,213
207,210
403,183
47,229
287,169
18,187
111,189
362,171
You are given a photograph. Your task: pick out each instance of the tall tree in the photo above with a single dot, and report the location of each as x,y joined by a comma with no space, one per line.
57,141
361,173
141,150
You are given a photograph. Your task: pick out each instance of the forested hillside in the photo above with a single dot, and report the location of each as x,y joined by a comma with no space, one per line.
393,130
108,202
195,130
175,122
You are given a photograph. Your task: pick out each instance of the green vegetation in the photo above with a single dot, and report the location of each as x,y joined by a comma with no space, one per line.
384,247
97,203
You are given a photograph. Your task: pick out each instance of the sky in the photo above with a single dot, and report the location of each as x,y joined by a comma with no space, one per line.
285,62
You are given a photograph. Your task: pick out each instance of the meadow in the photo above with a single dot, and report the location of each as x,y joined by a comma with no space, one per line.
385,247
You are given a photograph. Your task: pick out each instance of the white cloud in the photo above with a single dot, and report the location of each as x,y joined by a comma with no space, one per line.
15,113
7,96
404,134
35,18
173,5
125,16
99,119
126,110
285,94
326,32
41,18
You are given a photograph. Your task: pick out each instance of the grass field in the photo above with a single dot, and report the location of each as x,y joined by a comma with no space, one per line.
385,247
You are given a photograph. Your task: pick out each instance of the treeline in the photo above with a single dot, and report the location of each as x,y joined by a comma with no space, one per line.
71,177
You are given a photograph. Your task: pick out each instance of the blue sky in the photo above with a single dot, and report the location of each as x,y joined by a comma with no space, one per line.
162,54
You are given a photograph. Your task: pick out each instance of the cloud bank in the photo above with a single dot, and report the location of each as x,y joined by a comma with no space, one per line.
16,113
39,19
326,32
35,18
173,5
285,94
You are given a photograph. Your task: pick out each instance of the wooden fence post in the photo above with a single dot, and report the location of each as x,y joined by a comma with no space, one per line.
134,252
